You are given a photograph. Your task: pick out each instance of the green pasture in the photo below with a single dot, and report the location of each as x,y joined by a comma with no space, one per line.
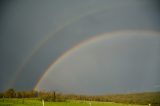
36,102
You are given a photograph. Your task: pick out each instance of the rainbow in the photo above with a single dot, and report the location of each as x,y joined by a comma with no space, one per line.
89,41
40,45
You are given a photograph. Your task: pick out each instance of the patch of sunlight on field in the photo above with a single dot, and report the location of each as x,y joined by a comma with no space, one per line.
36,102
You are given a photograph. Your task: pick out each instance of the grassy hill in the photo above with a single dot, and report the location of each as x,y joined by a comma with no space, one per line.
12,97
36,102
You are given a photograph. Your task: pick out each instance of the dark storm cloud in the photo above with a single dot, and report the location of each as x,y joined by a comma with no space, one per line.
23,24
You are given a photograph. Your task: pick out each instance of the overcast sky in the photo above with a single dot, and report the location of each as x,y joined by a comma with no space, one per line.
33,34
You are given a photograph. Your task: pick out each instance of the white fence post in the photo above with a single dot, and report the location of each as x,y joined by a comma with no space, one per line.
42,102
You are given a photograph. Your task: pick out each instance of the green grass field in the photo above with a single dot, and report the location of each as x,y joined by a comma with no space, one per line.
36,102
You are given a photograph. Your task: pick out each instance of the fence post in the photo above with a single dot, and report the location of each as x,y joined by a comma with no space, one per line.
42,102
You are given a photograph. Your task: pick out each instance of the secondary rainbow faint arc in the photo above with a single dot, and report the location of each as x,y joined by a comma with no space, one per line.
46,39
93,39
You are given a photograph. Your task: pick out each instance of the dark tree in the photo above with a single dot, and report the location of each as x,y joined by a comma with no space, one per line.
10,93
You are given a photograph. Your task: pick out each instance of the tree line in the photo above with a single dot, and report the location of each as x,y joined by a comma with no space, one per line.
45,95
52,96
12,93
